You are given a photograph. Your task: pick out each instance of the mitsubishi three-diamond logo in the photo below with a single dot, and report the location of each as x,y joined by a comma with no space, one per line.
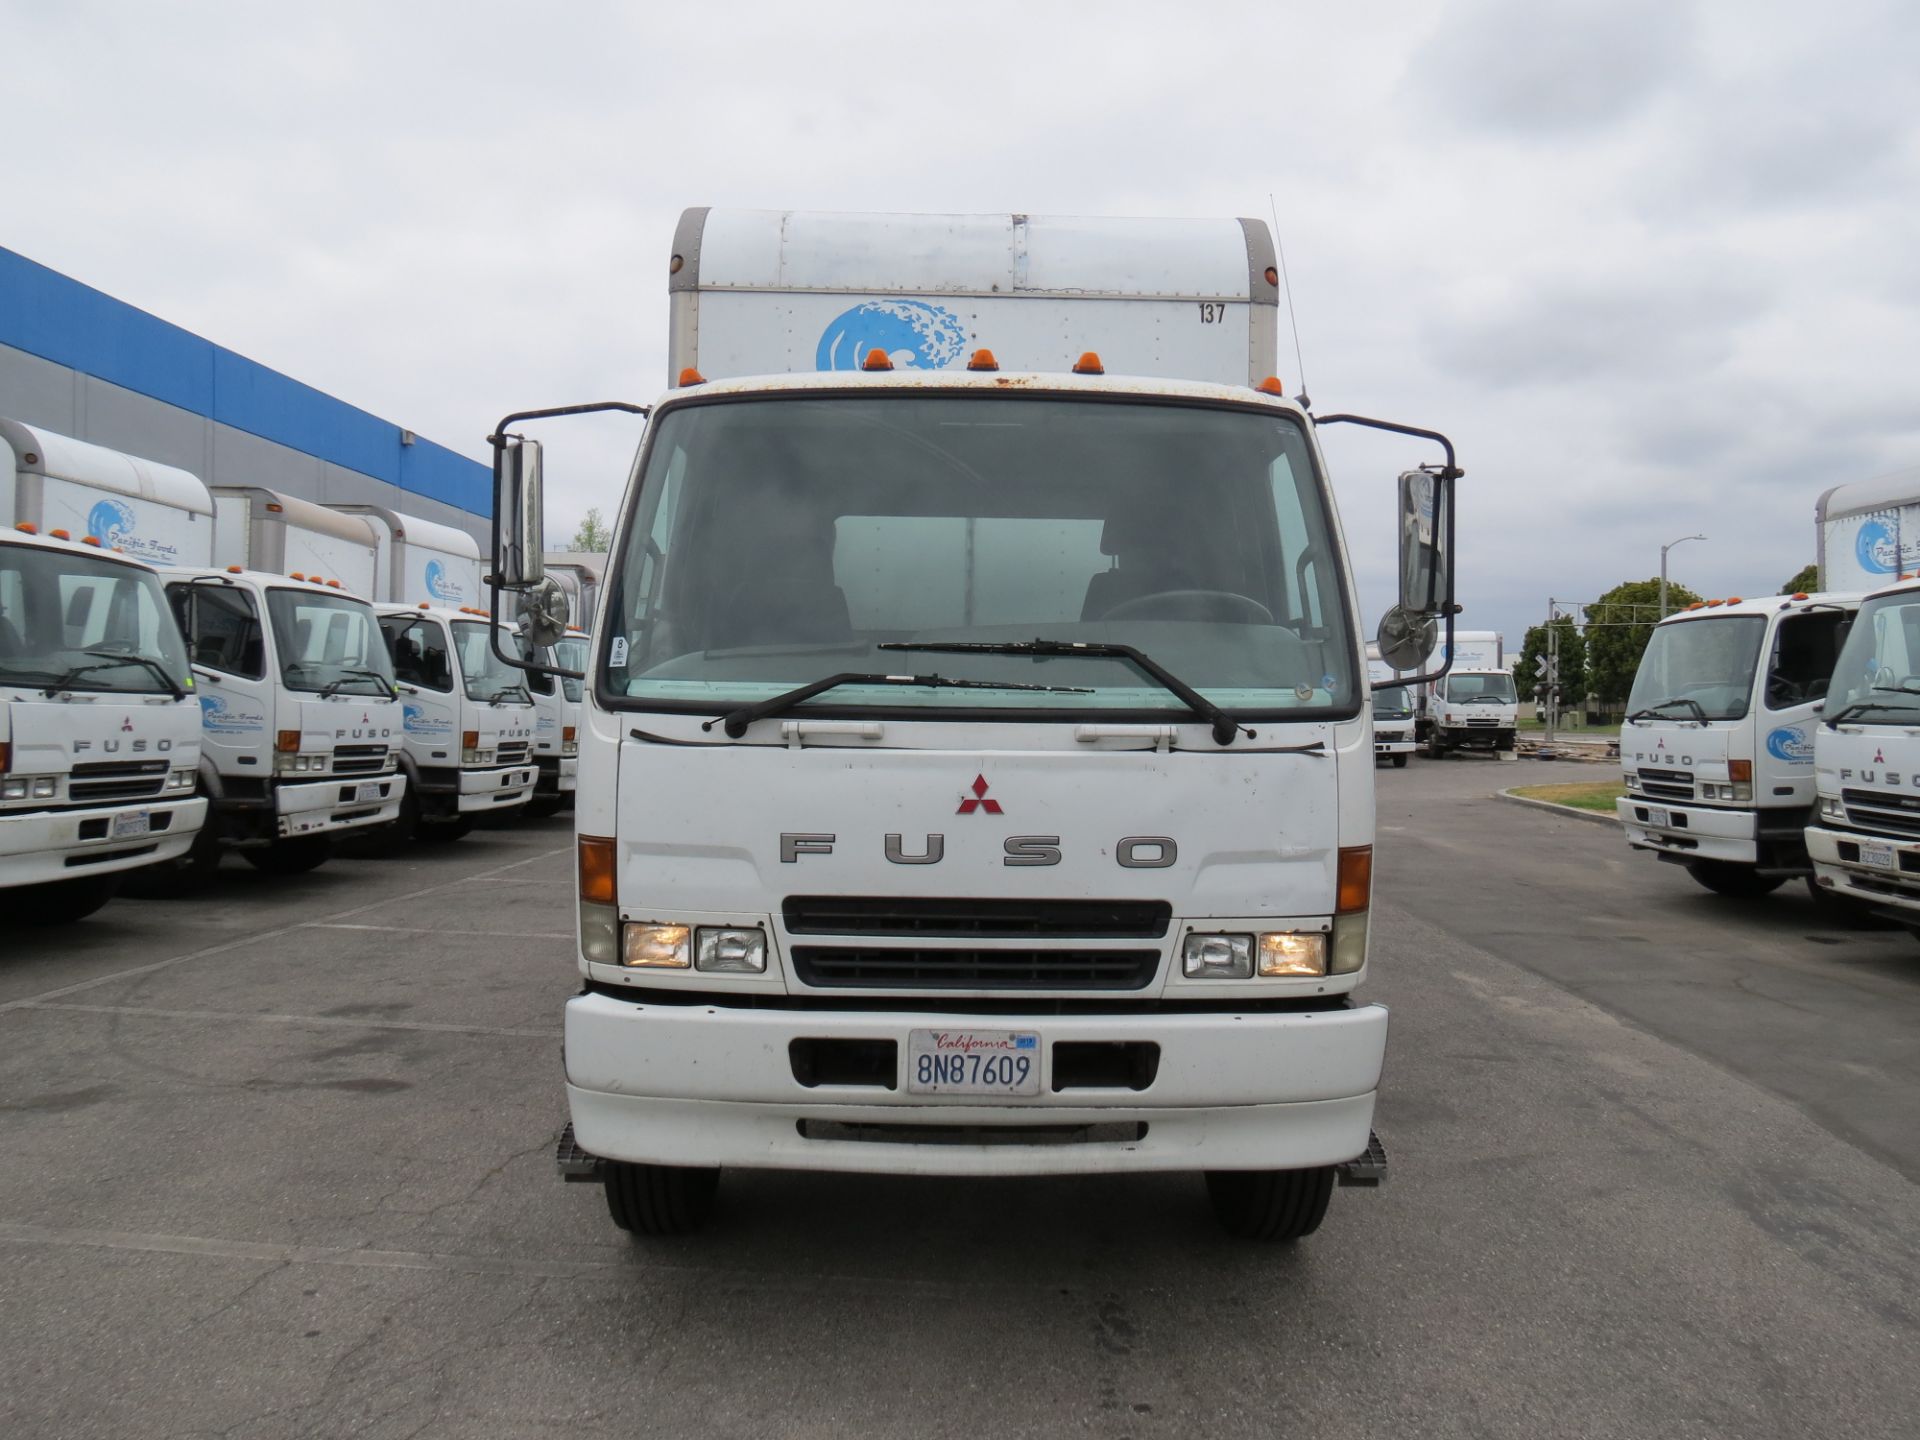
979,800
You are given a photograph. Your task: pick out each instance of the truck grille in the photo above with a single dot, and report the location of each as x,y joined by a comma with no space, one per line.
917,968
359,759
1886,814
1490,721
1666,784
116,780
515,754
961,917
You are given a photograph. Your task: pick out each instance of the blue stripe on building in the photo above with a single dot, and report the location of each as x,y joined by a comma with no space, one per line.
57,318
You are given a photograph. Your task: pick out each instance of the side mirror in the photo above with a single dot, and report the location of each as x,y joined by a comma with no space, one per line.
519,508
543,614
1405,642
1426,542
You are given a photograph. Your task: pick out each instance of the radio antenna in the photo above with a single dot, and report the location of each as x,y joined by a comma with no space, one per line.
1298,359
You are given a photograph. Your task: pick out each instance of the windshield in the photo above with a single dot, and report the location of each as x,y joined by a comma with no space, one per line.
1709,663
1879,666
571,654
1481,687
328,642
1392,704
486,675
780,541
71,619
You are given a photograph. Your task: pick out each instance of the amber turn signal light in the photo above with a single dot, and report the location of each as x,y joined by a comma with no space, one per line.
596,870
1355,890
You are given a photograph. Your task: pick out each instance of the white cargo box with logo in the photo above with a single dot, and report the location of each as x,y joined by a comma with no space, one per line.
1868,533
262,529
420,560
153,512
757,292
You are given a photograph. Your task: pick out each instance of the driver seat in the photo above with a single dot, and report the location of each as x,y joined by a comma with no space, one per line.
1152,553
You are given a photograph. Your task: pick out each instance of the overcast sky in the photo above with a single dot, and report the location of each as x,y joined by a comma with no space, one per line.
1655,266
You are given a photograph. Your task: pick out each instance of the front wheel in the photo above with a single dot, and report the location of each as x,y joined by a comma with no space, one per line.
1435,750
1740,882
542,807
1270,1204
60,902
1399,762
662,1199
291,857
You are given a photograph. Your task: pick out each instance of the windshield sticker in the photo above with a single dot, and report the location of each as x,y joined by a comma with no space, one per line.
1791,744
618,655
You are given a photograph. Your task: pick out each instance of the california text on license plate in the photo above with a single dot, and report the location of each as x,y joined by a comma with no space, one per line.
1659,817
973,1062
1880,857
133,822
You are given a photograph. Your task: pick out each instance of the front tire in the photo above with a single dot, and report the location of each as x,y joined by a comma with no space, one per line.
1738,882
291,857
1399,762
541,807
61,902
1275,1205
661,1199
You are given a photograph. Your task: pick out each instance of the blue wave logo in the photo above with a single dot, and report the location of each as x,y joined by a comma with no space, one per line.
1876,548
1790,743
441,585
111,520
218,719
914,334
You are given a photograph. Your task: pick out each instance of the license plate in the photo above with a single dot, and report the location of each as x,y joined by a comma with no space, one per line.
973,1062
1659,817
365,794
1880,857
133,822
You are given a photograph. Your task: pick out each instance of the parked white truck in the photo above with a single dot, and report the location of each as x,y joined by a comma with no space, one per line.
556,737
976,769
1718,746
99,729
1475,706
1864,835
468,719
1868,532
416,560
1393,711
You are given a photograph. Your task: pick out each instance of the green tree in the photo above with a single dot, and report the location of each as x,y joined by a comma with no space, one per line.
1531,672
593,535
1619,624
1806,582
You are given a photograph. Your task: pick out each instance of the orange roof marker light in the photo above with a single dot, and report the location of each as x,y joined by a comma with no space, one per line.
296,575
1733,599
877,359
691,376
93,540
1089,364
1799,595
59,534
982,360
1272,386
426,604
26,529
235,570
333,584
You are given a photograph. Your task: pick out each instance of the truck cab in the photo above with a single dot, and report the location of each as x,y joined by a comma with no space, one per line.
469,720
1717,751
99,728
1393,725
1864,834
556,743
302,725
1471,709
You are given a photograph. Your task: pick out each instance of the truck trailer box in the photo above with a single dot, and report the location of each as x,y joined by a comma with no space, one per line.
419,560
153,512
755,292
1868,534
261,529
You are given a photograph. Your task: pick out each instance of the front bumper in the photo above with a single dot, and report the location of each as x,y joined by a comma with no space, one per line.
321,807
1837,867
1693,832
715,1085
559,774
495,788
1400,744
66,844
1475,737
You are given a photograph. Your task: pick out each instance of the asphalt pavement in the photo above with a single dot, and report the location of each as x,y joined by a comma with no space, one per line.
278,1163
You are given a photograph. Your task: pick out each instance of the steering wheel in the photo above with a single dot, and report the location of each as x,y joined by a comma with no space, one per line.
1221,605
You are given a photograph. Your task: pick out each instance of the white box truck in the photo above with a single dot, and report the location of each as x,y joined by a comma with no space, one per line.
99,729
468,719
1867,534
1393,711
275,534
557,694
1864,835
976,763
1718,746
418,560
1475,706
59,485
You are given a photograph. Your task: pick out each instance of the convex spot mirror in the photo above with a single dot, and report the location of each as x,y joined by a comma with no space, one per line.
1405,642
1426,580
519,508
543,613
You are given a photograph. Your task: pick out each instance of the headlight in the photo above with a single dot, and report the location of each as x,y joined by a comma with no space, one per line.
24,787
1218,957
1292,953
474,755
181,779
569,740
734,952
1633,781
1831,808
661,947
305,763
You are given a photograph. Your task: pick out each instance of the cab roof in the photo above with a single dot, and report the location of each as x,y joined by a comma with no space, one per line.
1766,605
32,539
264,579
438,612
987,382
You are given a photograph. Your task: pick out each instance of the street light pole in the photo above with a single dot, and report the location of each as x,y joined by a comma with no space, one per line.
1663,568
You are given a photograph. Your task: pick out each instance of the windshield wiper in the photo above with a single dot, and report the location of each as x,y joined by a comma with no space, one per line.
112,660
1862,707
735,722
349,673
516,689
1225,726
1652,712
